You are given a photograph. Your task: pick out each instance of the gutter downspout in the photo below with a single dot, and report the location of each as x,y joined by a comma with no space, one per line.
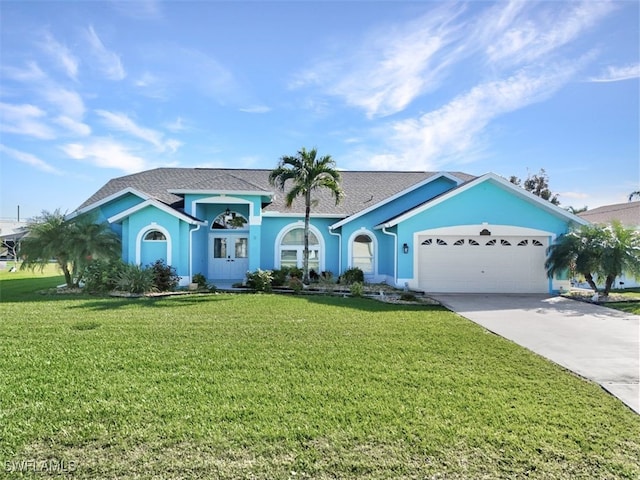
191,249
395,254
339,235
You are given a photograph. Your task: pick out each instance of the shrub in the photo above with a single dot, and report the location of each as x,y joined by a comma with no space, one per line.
260,280
408,297
165,277
356,289
136,279
279,276
352,275
101,276
296,285
200,279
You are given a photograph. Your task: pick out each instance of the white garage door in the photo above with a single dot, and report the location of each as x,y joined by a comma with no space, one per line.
482,264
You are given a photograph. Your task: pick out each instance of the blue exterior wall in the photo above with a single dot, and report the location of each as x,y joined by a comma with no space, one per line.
385,262
486,202
178,232
272,226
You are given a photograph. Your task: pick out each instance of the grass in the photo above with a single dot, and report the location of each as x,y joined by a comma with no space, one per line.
631,304
283,387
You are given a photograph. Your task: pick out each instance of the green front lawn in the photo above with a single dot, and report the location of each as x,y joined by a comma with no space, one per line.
268,386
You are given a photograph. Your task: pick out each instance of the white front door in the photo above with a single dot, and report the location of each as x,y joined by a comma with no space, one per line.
228,256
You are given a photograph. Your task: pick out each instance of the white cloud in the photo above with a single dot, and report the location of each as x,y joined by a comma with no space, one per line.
528,32
31,73
123,123
68,102
105,153
177,125
75,127
108,61
452,132
390,68
617,74
61,54
29,159
25,119
140,9
256,109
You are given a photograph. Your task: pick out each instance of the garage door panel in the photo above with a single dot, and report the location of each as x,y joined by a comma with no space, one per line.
508,264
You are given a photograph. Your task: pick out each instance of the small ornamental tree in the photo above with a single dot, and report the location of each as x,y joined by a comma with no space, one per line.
596,251
72,244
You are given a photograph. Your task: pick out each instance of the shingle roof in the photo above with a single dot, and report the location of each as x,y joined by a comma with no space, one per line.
627,213
362,189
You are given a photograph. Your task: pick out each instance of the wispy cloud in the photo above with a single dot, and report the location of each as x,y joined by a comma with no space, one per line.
140,9
108,61
255,109
105,153
122,122
618,74
526,32
389,69
29,159
75,127
31,73
61,55
451,132
25,119
66,101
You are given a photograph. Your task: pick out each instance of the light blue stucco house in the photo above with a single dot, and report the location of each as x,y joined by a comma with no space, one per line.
429,231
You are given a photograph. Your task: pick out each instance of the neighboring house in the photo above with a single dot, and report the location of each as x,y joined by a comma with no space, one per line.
430,231
626,213
11,232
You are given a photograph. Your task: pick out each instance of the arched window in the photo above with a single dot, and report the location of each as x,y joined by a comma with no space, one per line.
230,221
291,249
155,236
363,253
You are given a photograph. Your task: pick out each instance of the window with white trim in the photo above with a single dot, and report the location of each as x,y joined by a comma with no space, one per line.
291,250
362,253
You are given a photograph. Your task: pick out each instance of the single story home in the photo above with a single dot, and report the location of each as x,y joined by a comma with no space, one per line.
428,231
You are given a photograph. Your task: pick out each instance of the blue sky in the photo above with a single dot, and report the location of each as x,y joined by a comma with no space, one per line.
94,90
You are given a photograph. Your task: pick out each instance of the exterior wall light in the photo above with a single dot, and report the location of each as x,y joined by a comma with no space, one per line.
405,248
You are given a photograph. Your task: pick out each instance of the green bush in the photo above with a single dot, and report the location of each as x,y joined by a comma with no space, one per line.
101,276
136,279
356,289
200,279
352,275
296,285
408,297
260,280
282,275
165,277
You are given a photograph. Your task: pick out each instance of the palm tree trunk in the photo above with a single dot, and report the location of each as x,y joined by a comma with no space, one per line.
307,217
589,278
608,284
67,274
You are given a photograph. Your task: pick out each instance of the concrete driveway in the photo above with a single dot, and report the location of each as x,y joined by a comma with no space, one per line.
598,343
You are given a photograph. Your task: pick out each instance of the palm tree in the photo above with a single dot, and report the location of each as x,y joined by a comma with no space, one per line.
70,243
91,240
307,173
593,250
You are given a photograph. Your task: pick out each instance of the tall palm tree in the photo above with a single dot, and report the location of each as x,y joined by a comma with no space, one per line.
70,243
307,173
596,251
